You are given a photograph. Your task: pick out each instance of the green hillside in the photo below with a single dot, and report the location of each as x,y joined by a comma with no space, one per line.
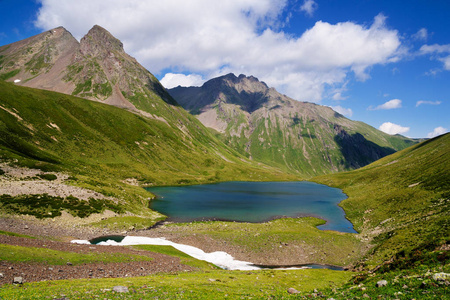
400,203
111,150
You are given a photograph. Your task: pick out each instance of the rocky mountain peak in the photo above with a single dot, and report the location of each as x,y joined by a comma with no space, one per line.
97,40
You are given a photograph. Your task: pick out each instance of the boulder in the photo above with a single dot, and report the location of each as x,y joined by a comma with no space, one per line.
292,291
18,280
382,283
441,276
120,289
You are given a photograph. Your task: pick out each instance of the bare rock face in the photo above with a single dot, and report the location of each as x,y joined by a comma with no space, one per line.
99,42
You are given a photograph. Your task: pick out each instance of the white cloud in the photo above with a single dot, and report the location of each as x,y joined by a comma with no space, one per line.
446,61
391,104
210,38
309,7
420,102
439,52
172,80
391,128
436,48
421,35
437,131
343,111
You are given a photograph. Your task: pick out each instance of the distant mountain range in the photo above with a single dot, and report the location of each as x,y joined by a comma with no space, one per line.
299,137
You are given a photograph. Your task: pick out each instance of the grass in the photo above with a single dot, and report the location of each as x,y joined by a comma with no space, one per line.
279,238
401,201
53,257
194,285
102,146
8,75
15,234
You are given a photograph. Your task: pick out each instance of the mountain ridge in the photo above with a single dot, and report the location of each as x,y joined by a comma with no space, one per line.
96,68
300,137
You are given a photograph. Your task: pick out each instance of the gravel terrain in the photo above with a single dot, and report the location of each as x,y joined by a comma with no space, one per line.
41,271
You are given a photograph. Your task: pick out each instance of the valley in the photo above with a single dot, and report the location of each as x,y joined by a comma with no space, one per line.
87,128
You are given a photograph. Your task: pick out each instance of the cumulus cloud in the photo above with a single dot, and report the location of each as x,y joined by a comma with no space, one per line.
391,128
208,38
172,80
309,7
437,131
420,102
342,110
391,104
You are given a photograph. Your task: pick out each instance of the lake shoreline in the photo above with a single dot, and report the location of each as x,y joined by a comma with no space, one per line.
252,202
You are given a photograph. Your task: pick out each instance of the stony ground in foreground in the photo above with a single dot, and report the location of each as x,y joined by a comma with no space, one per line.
43,271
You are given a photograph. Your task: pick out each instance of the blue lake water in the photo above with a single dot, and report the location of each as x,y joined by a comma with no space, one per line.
252,202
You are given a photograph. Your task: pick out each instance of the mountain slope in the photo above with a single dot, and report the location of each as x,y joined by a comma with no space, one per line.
108,149
401,202
300,137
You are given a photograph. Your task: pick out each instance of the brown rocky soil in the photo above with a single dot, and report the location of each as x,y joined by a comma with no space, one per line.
41,271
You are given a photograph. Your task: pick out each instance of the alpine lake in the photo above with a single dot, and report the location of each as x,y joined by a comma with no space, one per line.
252,202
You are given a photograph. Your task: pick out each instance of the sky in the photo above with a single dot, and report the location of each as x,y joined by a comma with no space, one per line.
383,62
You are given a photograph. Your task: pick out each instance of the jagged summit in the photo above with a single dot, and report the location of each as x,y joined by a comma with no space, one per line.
240,83
96,68
97,40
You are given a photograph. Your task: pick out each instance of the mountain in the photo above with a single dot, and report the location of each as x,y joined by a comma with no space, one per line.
95,68
133,132
299,137
107,149
400,203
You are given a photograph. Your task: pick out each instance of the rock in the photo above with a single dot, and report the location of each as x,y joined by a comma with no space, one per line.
292,291
382,283
1,275
18,280
366,296
441,276
69,263
120,289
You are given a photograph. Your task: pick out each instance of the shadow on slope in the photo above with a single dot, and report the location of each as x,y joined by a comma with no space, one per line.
357,151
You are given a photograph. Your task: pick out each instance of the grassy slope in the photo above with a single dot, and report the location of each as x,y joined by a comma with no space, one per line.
101,145
286,237
400,202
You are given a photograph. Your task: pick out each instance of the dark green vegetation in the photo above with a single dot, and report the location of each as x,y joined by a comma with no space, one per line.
45,206
9,74
102,147
400,202
299,137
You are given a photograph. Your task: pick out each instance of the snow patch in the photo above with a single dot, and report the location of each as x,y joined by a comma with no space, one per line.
17,81
218,258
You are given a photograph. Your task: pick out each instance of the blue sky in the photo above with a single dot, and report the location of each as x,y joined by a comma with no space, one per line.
386,63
